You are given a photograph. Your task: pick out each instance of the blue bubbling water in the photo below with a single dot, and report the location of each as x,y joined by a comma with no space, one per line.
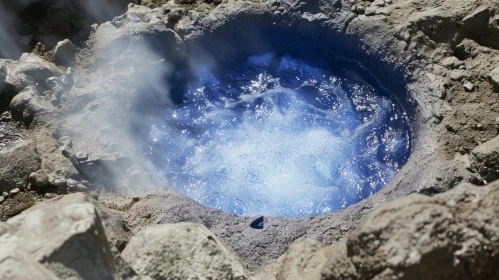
276,136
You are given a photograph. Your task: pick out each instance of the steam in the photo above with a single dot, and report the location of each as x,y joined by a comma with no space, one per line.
50,21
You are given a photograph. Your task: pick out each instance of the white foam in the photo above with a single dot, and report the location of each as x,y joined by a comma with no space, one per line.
272,151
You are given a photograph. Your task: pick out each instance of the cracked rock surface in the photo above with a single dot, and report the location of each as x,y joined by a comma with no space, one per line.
67,116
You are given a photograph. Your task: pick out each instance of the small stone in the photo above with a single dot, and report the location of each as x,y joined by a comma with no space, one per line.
458,75
136,199
15,191
469,87
75,186
2,199
67,151
497,120
258,223
50,195
81,156
5,194
94,195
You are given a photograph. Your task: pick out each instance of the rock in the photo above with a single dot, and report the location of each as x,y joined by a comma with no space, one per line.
452,62
446,236
81,156
17,164
485,159
2,199
56,245
52,161
4,96
32,71
15,191
65,53
458,75
39,179
50,195
25,105
5,194
181,251
494,78
469,87
477,23
114,225
304,259
75,186
129,31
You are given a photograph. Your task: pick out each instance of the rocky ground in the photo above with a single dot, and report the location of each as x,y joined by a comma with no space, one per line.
76,194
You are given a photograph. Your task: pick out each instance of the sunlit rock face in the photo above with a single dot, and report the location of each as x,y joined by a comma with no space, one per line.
275,135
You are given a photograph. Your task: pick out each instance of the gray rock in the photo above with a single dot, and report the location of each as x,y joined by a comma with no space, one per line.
494,77
114,225
129,31
17,164
25,105
81,156
31,70
75,186
65,53
485,159
66,244
452,62
15,191
304,259
2,199
458,75
448,236
39,179
50,195
469,87
182,251
477,23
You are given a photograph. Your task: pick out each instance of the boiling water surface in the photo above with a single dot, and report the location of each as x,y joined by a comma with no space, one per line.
276,136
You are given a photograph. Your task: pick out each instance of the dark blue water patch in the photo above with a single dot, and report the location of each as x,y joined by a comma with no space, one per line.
274,135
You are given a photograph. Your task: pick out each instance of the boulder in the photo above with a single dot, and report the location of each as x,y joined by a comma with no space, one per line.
66,244
30,70
477,23
25,105
137,34
16,164
448,236
112,221
182,251
65,53
485,159
304,259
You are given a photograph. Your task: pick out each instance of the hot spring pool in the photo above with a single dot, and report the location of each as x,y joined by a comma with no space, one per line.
278,136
